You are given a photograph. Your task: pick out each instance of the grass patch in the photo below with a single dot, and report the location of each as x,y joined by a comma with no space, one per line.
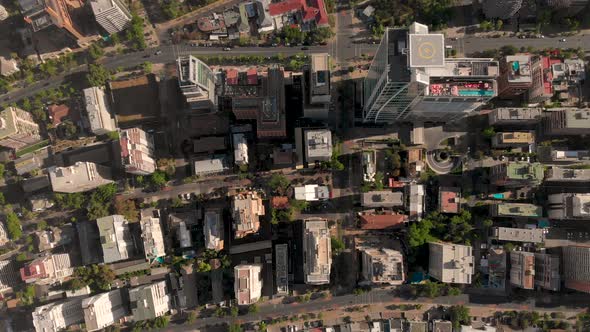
32,148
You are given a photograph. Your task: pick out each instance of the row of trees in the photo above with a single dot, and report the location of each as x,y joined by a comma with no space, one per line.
435,13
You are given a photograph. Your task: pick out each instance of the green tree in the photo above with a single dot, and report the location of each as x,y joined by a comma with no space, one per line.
262,326
489,132
2,169
98,277
203,267
98,75
13,226
158,179
172,8
147,67
454,291
278,183
499,24
459,316
21,257
128,209
26,296
161,322
192,317
113,135
41,225
253,309
135,33
337,244
234,311
234,328
69,201
2,199
70,129
95,51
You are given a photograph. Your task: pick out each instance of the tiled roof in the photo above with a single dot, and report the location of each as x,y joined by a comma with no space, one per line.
382,221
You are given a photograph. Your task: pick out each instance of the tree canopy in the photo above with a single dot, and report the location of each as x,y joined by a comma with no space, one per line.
13,226
98,277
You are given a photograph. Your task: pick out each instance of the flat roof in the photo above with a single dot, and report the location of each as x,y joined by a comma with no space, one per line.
382,198
427,50
535,235
519,209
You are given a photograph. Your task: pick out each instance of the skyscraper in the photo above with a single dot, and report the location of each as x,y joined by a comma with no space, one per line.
112,15
411,79
197,83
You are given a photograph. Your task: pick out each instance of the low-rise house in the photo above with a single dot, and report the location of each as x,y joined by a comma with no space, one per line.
153,238
83,176
513,139
317,251
53,237
240,149
115,238
312,192
98,111
383,266
534,235
214,165
382,199
57,316
449,200
522,269
517,174
47,270
516,210
547,273
248,283
246,210
104,310
569,206
442,326
59,113
451,263
8,66
369,221
213,229
415,201
39,203
149,301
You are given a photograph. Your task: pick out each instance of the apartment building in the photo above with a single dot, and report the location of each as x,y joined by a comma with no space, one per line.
149,301
312,193
317,251
567,122
517,174
451,263
548,154
153,238
534,235
318,146
248,283
383,266
17,129
318,87
240,149
40,14
112,15
58,316
104,310
567,175
115,238
47,270
246,210
80,177
137,151
98,111
9,276
523,116
382,199
516,210
282,268
513,139
517,75
522,269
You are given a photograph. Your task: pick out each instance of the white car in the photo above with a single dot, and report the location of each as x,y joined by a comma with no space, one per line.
562,40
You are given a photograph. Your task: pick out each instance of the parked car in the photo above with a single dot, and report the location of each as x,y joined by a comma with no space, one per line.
158,52
227,49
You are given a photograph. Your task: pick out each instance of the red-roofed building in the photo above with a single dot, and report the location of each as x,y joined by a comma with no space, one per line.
137,151
252,75
33,271
382,221
315,12
47,270
449,200
231,76
57,113
280,202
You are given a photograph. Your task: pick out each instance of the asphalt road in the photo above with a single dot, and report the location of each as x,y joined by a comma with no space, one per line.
549,303
163,54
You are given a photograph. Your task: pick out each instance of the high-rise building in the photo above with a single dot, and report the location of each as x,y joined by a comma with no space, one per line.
535,235
17,129
576,268
515,116
411,79
82,176
568,175
54,317
567,122
98,111
248,283
451,263
547,274
317,251
104,310
317,82
197,83
569,206
115,238
41,14
137,151
112,15
383,266
149,301
9,276
522,269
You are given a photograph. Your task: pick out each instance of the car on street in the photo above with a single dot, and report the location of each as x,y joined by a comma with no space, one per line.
305,48
227,49
562,40
158,52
